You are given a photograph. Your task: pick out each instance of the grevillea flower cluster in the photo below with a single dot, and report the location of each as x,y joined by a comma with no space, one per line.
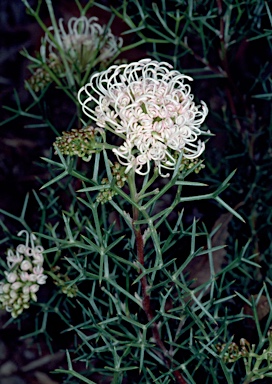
63,281
79,142
41,77
233,352
84,41
150,106
24,276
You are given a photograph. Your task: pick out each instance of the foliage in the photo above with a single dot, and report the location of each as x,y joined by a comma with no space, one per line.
139,279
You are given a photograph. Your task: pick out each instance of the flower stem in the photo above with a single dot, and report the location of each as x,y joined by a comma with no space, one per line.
144,284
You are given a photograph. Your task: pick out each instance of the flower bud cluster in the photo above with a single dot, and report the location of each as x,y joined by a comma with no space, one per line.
78,142
41,77
190,163
63,281
68,289
233,352
119,176
24,276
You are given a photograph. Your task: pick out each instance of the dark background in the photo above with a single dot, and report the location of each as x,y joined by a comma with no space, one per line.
22,147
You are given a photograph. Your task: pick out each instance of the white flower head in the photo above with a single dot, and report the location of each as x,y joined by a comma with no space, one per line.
83,40
150,106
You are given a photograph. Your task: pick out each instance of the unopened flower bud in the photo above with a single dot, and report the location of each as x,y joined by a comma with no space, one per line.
25,298
38,270
6,288
34,288
15,286
26,290
19,301
32,277
37,258
41,279
13,294
11,300
33,296
11,277
24,276
19,311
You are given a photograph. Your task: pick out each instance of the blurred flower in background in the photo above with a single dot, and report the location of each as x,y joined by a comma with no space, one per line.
85,41
83,44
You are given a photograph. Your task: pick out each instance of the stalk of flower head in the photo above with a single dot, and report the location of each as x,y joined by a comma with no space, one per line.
149,107
24,276
146,297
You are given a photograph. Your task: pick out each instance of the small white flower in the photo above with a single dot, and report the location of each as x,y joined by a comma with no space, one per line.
37,255
25,298
38,270
21,248
24,276
13,294
15,314
28,251
11,276
19,301
6,288
32,277
34,288
149,105
41,279
15,286
26,289
33,296
13,259
25,265
37,258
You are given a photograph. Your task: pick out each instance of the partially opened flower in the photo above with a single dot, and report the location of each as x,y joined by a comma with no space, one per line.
22,279
149,105
85,41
